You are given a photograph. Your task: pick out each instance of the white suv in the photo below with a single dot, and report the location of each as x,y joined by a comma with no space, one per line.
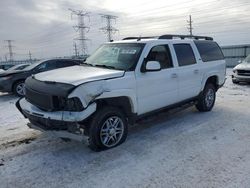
122,82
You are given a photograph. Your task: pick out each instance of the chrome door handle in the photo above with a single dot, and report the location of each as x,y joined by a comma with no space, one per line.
196,71
174,75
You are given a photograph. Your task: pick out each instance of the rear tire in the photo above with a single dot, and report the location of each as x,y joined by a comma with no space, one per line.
19,88
207,98
108,129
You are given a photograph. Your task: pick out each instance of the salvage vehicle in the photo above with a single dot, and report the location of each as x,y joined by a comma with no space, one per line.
121,83
241,73
13,80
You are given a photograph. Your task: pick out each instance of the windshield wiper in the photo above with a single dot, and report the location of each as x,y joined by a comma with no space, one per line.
105,66
88,64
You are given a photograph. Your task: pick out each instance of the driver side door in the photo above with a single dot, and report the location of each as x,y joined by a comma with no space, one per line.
157,89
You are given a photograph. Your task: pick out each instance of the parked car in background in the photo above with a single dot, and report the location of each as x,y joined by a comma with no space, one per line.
13,81
122,82
6,66
241,73
18,67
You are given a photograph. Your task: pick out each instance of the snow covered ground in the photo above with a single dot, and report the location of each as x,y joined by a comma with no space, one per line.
175,149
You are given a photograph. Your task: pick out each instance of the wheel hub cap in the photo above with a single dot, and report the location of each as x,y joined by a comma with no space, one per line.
20,89
209,97
112,131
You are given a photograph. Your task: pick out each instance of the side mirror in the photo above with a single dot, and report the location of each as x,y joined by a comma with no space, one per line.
152,66
240,61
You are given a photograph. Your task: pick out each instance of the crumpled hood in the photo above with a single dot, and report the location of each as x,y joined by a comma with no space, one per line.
77,75
243,66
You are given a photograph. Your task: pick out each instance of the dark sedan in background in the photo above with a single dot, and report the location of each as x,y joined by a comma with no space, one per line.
13,81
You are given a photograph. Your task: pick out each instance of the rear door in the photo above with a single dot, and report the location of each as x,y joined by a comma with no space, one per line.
189,74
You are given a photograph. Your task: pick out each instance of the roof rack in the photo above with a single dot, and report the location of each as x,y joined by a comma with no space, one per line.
185,36
137,38
169,36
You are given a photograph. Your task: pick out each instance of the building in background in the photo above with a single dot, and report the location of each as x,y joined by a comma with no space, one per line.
235,53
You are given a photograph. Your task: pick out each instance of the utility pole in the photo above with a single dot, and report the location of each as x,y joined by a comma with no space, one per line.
81,28
190,25
10,47
75,50
109,29
30,56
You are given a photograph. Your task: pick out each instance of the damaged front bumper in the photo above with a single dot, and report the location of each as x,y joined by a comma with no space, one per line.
61,123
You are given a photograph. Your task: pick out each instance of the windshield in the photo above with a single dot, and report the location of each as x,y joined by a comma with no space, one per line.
33,65
122,56
247,60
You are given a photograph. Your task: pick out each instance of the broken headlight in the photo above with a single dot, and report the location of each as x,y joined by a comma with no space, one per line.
71,104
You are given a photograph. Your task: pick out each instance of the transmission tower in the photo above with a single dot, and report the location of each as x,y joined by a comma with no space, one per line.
75,50
109,29
30,57
81,28
10,48
190,25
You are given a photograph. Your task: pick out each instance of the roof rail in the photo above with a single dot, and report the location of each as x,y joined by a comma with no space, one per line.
185,36
168,36
137,38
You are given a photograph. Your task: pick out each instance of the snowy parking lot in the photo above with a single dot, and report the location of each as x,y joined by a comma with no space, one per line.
179,148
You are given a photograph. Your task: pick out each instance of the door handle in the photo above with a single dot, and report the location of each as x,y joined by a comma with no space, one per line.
196,71
174,75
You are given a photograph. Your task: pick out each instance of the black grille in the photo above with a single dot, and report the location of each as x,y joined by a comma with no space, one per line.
41,100
244,72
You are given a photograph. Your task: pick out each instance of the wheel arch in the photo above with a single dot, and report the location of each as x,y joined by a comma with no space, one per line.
213,79
121,102
15,82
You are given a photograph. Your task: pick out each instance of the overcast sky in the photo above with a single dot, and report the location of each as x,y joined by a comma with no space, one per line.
45,27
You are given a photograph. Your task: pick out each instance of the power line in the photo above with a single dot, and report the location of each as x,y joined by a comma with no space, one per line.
109,29
190,27
10,48
81,28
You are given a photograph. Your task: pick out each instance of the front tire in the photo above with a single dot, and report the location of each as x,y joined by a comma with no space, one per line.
108,129
207,98
19,88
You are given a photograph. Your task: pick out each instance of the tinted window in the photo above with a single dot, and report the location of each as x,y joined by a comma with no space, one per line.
185,54
209,51
161,54
67,63
52,64
41,67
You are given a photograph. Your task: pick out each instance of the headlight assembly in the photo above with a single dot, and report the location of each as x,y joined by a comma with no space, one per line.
72,104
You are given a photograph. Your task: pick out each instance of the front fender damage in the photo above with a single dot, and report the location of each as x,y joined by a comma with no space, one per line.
88,92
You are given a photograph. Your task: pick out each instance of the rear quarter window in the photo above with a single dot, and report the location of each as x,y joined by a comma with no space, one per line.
209,51
185,54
